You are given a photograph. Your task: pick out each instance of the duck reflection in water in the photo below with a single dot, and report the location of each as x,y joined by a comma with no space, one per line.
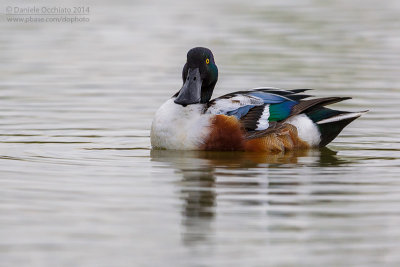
209,160
198,185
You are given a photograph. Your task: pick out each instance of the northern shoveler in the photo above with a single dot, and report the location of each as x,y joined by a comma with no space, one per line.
261,119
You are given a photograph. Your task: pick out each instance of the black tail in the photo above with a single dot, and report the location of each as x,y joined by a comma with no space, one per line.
331,122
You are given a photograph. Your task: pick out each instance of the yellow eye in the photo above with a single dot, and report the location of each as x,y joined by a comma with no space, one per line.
207,61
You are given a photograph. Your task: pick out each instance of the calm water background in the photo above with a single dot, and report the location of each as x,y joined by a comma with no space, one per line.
80,186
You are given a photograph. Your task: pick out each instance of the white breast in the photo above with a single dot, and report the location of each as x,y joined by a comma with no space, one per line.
178,127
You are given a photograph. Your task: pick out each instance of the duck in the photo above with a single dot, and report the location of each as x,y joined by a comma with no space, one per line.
264,119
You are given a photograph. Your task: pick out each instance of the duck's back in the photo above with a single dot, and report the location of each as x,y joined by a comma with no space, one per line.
274,119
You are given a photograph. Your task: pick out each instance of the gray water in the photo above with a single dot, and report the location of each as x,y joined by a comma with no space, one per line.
80,185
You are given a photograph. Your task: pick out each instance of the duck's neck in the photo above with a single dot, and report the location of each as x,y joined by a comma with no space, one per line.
192,109
206,93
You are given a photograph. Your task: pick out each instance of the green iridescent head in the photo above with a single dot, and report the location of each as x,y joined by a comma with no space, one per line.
200,74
